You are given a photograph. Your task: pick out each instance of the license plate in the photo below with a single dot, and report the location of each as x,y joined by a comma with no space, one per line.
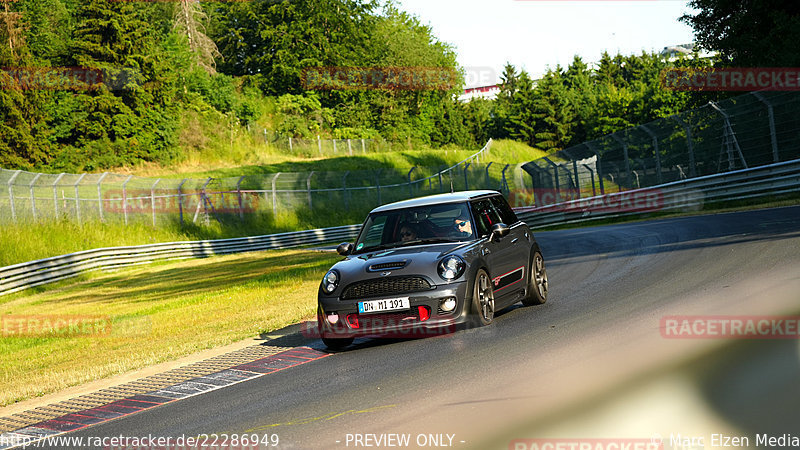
375,306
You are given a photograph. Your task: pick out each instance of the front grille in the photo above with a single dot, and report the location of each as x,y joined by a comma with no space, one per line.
385,286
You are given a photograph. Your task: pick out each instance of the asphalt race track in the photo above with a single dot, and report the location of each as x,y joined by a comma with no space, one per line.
552,370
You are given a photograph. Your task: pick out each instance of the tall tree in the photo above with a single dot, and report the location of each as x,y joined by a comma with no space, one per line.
12,27
749,32
189,22
277,40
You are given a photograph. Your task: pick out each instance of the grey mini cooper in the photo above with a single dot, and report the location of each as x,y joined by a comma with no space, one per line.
428,265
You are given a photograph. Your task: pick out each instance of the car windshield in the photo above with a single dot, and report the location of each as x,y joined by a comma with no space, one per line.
415,226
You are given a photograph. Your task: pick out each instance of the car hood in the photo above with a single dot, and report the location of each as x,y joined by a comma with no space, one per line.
416,260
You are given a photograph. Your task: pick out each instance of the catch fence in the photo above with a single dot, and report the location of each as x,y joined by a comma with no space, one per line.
743,132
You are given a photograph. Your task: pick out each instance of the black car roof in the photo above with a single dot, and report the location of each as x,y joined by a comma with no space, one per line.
455,197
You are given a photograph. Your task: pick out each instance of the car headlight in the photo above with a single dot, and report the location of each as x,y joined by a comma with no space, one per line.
330,282
451,267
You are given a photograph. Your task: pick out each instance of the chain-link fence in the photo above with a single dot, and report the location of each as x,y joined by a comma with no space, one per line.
747,131
318,146
107,197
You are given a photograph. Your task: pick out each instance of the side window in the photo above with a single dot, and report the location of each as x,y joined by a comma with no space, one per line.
375,233
506,213
485,216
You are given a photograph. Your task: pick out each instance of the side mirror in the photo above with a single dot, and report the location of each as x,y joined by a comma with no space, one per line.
499,230
344,249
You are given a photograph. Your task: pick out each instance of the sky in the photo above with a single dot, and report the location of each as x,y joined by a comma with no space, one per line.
535,34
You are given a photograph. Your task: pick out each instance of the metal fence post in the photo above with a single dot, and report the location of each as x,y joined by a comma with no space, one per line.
504,186
239,194
275,194
576,179
598,166
11,194
55,195
291,148
656,151
308,188
729,136
555,176
441,185
488,178
205,202
410,187
772,133
33,198
100,195
180,199
689,144
125,199
78,198
334,145
349,147
591,175
466,181
363,147
153,199
628,176
319,145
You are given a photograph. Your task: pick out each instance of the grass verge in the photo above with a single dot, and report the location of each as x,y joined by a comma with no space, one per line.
157,313
272,161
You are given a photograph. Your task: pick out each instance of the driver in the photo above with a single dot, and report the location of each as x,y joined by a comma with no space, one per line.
407,232
463,226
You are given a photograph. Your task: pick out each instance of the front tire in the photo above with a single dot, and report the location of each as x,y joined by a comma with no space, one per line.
483,299
330,342
537,282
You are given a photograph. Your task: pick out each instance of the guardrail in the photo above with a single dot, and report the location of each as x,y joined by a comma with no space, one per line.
35,273
773,179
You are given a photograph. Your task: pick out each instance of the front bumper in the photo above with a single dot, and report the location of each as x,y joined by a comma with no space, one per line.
424,319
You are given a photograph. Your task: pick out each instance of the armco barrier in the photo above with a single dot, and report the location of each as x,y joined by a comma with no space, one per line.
774,179
26,275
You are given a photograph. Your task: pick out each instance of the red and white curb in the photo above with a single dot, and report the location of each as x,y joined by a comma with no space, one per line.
141,402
